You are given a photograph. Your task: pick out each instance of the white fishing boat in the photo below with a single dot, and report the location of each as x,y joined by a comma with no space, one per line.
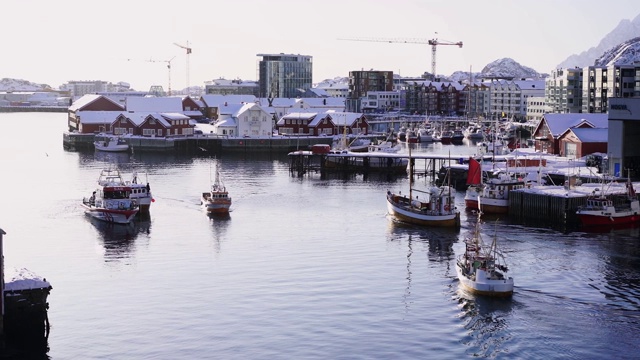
216,200
111,144
437,209
481,269
111,201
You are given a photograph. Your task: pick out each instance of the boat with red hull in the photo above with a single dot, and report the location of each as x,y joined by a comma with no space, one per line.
601,211
474,182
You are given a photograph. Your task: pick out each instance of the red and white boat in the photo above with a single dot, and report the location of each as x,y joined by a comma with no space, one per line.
216,201
600,211
111,201
474,180
494,196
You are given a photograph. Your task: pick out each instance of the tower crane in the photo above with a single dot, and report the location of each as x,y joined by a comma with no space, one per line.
188,49
433,42
168,68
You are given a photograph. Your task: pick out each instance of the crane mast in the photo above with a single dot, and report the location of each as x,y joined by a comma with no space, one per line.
168,68
188,49
433,42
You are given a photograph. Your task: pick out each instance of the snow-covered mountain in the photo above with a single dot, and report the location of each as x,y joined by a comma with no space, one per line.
7,84
625,53
625,31
501,68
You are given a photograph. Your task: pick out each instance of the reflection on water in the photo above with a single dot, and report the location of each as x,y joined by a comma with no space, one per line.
25,345
486,322
112,157
118,240
440,240
219,225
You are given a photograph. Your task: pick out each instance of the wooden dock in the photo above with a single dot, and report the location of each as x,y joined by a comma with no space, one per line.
555,206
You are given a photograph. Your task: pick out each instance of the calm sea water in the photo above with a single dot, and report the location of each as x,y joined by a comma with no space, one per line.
304,268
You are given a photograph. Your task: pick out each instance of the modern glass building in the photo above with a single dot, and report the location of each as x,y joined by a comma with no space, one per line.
284,75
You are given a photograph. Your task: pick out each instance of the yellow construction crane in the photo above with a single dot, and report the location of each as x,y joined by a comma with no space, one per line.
433,42
188,49
168,68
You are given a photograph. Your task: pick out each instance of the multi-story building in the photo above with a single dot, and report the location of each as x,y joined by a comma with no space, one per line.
624,82
508,98
435,98
231,87
284,75
475,100
362,82
380,101
595,89
536,108
563,91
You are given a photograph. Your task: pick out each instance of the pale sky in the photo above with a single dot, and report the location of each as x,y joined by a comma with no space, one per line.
53,42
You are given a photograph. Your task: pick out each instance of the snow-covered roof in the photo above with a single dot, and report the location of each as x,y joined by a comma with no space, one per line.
235,110
344,118
214,100
98,117
331,102
23,279
226,122
154,104
88,99
559,123
192,113
592,135
529,84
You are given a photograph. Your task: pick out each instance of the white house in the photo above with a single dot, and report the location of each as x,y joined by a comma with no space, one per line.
243,120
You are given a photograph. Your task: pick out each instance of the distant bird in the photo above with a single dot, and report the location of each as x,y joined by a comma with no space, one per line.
46,154
202,149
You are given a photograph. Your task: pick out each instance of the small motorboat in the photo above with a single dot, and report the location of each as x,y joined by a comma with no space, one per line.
112,144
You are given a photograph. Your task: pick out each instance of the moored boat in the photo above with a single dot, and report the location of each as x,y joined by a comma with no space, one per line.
481,269
494,196
111,144
474,182
601,211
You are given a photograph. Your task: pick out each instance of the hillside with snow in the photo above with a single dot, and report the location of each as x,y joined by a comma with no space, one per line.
625,53
626,30
7,84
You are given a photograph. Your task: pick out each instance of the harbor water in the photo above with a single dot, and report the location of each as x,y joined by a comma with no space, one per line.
307,267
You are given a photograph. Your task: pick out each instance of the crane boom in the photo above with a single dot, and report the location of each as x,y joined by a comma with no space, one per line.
188,49
169,70
433,42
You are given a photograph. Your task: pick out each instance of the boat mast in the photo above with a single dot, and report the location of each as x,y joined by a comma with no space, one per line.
410,178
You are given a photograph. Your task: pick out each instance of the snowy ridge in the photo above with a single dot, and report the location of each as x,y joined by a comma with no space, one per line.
626,53
625,31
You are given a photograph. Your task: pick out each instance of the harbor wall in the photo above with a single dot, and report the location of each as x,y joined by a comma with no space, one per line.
199,143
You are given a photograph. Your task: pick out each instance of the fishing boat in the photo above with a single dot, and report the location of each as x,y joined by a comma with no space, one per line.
111,144
140,191
481,269
437,209
474,184
494,196
217,200
457,137
601,211
111,201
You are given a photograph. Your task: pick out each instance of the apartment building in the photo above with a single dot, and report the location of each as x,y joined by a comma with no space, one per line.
284,75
